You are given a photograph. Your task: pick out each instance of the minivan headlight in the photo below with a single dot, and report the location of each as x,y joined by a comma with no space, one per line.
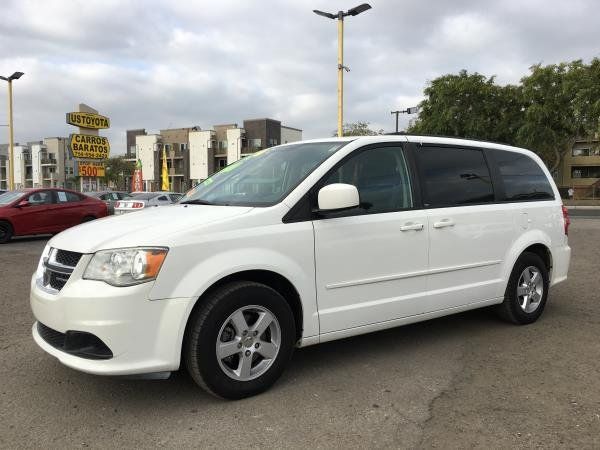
125,266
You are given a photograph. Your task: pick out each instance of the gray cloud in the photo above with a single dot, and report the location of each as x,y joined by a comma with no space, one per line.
156,64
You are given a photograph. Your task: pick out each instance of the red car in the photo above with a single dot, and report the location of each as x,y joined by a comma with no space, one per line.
45,211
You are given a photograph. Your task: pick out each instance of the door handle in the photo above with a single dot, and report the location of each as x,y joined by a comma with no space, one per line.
443,223
411,226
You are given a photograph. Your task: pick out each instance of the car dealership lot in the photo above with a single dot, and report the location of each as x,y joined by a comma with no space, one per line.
458,381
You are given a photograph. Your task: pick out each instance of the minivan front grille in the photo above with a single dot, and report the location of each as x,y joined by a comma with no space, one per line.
58,268
67,258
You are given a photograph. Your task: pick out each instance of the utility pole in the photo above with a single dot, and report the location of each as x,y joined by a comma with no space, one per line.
340,88
411,110
11,170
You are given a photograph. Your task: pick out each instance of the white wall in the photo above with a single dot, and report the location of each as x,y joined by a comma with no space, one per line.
36,164
234,141
290,135
144,151
201,154
19,171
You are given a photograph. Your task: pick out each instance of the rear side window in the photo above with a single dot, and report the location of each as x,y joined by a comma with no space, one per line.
67,197
522,177
454,176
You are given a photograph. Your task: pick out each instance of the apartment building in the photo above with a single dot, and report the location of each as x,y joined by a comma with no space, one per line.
130,136
46,163
194,154
580,169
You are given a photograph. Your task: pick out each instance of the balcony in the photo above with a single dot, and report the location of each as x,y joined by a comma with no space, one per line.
48,162
175,172
175,154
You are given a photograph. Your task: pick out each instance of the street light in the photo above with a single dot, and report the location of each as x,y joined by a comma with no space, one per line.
11,178
340,18
411,110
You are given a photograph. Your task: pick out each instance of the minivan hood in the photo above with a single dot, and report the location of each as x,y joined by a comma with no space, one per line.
153,226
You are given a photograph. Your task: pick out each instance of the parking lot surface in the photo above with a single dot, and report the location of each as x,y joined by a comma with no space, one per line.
468,380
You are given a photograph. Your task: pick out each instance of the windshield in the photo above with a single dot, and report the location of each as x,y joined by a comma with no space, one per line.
263,178
9,197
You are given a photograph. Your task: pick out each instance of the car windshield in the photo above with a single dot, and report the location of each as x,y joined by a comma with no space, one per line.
263,178
9,197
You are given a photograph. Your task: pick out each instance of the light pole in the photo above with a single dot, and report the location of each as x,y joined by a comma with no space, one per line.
411,110
11,177
340,89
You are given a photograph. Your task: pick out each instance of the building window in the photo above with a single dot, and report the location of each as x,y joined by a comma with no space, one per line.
272,142
167,147
586,152
255,143
222,145
585,172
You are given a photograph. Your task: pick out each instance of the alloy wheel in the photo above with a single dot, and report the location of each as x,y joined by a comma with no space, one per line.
530,289
248,343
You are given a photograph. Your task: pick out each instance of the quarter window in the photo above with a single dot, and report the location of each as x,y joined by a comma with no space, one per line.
381,177
454,176
522,177
67,197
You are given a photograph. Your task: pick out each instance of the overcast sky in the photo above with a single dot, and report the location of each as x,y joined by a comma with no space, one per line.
158,64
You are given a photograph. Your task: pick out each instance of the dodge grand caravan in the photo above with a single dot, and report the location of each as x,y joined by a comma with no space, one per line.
300,244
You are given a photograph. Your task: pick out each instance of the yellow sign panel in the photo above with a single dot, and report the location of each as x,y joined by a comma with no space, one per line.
88,120
86,146
91,169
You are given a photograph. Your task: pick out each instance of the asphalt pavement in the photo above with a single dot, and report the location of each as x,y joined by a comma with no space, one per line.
468,380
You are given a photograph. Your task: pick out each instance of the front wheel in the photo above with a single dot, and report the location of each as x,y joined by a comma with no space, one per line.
6,232
239,340
527,290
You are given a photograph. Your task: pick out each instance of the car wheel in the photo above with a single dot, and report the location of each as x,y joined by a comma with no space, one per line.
239,341
88,219
6,232
527,290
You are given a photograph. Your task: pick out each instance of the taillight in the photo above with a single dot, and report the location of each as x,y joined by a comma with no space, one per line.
566,219
138,205
118,205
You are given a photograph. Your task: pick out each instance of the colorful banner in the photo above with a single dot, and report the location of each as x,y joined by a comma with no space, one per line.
165,172
137,182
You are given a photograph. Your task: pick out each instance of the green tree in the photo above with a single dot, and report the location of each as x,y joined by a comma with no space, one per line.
118,169
470,106
562,103
551,107
358,129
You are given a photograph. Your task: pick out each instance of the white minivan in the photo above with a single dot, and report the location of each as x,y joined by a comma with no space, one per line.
300,244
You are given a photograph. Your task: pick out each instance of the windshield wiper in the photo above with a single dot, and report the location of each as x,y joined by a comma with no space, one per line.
196,202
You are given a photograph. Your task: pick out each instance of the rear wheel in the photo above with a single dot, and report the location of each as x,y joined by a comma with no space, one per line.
239,341
6,232
527,290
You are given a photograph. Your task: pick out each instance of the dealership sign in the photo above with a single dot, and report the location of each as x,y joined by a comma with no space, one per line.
90,169
87,146
88,120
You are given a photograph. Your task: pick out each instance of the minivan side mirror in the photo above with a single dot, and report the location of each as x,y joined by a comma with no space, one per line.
23,204
338,196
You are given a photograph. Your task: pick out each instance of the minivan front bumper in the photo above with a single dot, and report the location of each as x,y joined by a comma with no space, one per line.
141,335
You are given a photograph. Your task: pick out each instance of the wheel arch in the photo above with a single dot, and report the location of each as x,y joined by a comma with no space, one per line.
534,242
269,278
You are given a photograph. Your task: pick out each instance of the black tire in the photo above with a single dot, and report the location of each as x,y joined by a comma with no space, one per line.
510,309
6,232
88,219
204,327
